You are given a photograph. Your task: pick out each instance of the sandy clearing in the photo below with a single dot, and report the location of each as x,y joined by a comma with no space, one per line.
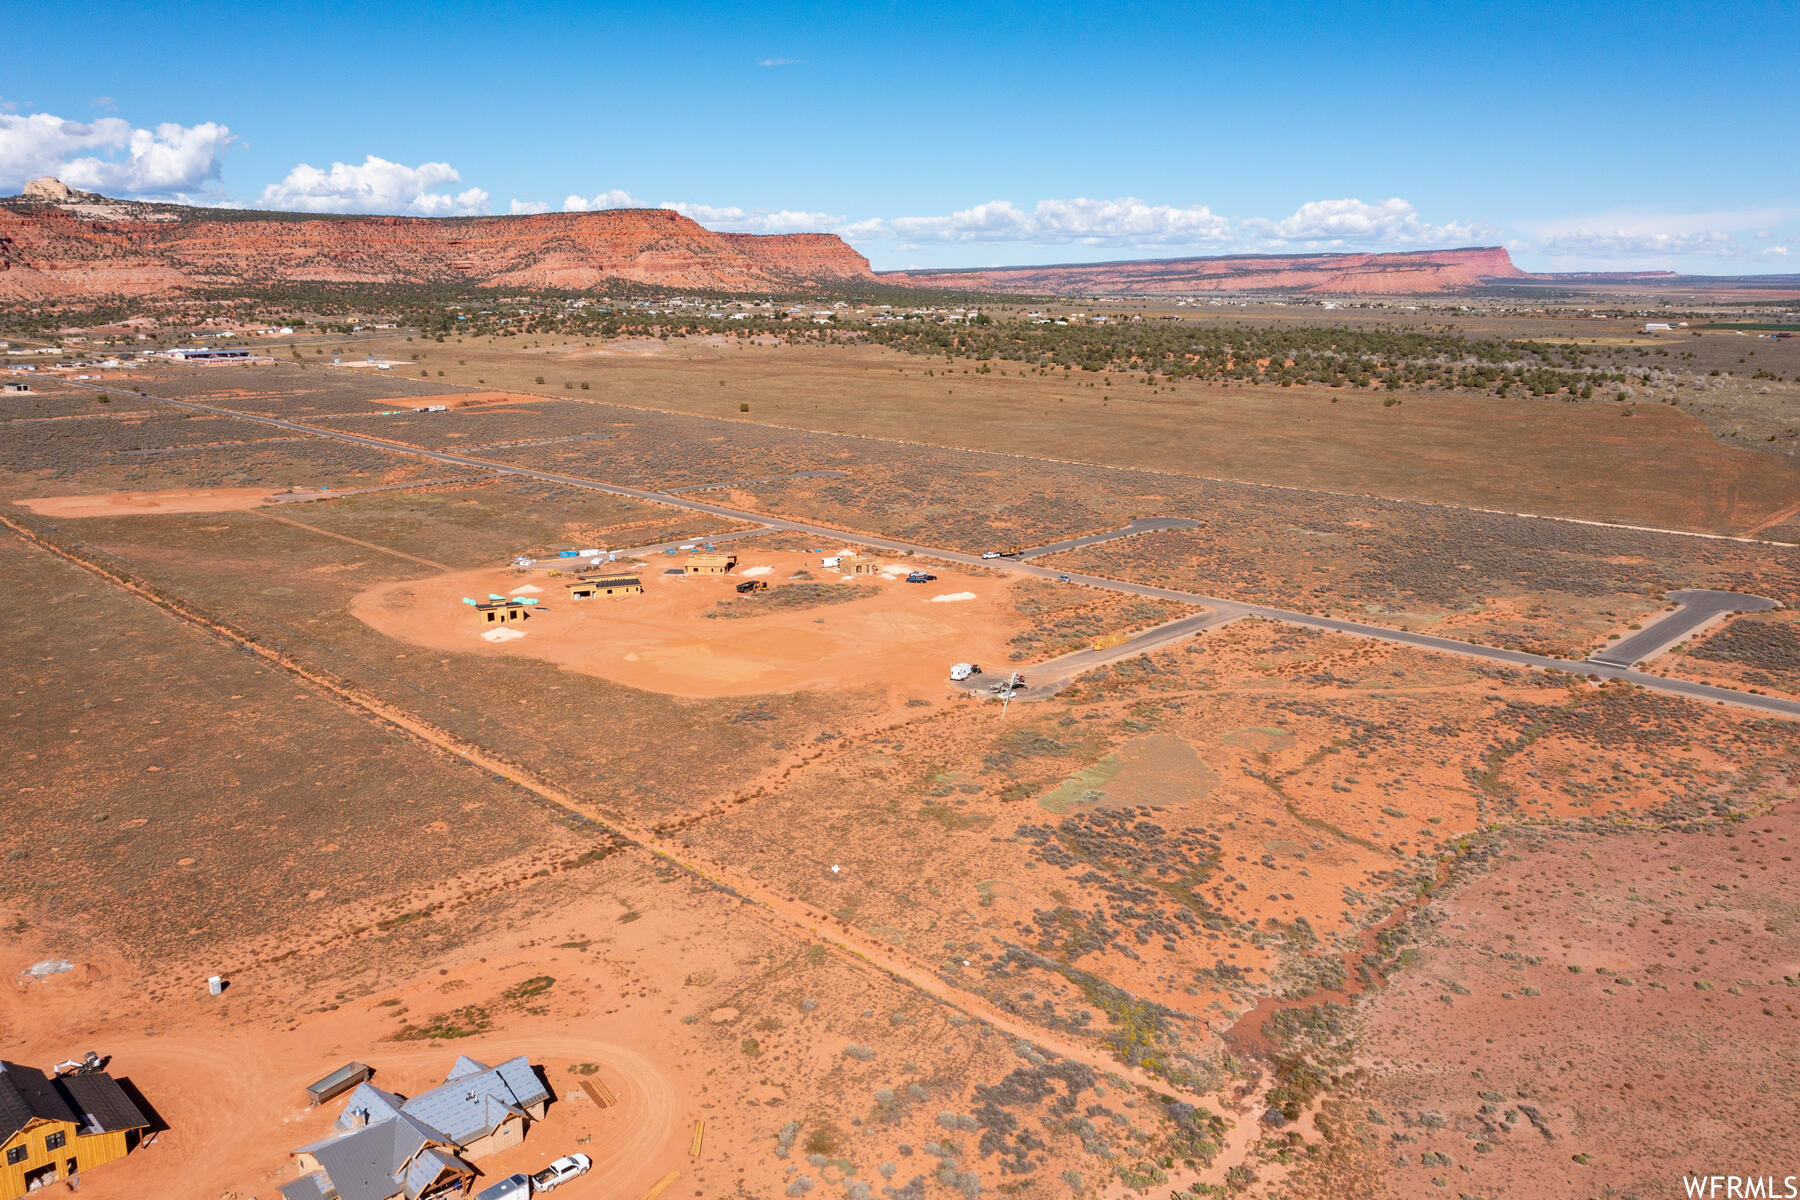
457,400
953,597
753,572
530,589
502,635
122,504
661,642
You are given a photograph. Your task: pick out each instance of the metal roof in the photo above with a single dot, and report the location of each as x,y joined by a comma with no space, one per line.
316,1186
470,1106
428,1168
402,1147
367,1164
367,1105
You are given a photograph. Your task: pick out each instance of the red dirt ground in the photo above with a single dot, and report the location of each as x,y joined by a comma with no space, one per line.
131,504
894,634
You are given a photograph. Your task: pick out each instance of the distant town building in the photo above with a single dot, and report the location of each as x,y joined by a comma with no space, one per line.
202,354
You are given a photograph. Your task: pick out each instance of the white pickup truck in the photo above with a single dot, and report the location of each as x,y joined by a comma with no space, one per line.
560,1172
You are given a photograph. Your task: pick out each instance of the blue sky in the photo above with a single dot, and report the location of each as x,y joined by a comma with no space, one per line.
1582,136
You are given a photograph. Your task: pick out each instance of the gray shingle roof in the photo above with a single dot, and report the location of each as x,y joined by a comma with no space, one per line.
367,1104
473,1103
316,1186
426,1169
405,1146
366,1164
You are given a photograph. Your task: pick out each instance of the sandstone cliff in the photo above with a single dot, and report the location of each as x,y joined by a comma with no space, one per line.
1413,273
56,244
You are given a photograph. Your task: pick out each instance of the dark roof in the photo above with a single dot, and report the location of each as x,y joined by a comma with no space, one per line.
27,1094
93,1102
608,581
102,1103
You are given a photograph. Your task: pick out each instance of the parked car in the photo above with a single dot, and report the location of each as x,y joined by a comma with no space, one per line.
516,1186
1062,579
568,1167
921,577
752,585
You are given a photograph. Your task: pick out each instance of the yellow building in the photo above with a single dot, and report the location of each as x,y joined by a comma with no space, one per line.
605,585
52,1128
708,564
501,611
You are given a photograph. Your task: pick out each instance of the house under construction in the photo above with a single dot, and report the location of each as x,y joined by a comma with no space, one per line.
708,564
498,612
605,585
54,1127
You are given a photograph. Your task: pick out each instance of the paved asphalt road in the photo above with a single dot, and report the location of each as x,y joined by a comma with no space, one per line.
705,538
1043,680
1698,607
1141,525
1674,687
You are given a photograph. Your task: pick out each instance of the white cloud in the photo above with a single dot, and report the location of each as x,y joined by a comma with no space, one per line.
776,62
377,186
111,155
862,231
1626,243
1126,221
1719,235
526,208
614,198
733,219
1351,222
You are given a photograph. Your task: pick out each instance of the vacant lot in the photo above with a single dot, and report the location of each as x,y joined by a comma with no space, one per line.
1170,841
175,794
1127,871
1587,1012
1759,651
1646,462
